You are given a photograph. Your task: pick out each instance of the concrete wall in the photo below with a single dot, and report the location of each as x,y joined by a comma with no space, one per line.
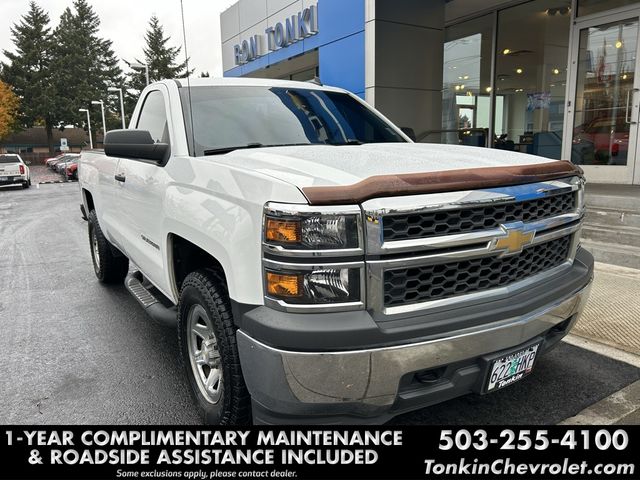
403,62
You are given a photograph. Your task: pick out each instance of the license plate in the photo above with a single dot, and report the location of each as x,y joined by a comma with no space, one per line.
512,367
4,179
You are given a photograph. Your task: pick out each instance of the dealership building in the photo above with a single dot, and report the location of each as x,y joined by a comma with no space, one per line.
555,78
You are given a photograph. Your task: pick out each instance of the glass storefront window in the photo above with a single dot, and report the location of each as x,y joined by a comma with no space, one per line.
466,83
531,75
606,68
587,7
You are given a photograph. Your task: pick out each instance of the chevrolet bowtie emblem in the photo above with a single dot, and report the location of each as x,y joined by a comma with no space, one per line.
515,240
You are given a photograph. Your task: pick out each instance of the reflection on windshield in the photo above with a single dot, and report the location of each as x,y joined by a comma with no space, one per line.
230,117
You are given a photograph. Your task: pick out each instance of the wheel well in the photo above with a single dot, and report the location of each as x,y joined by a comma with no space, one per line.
88,199
188,257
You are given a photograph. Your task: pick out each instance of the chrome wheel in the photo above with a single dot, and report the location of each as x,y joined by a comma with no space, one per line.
204,354
95,250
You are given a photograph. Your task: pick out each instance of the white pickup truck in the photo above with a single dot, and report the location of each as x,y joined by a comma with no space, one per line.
321,267
13,170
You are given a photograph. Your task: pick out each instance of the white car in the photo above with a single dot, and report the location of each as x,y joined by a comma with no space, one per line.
321,267
13,170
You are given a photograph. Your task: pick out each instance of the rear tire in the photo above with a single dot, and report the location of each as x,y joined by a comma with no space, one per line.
209,352
26,184
109,265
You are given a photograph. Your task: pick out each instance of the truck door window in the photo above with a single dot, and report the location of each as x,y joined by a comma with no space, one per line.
153,117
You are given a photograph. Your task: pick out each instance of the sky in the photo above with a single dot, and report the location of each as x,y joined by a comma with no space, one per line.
125,22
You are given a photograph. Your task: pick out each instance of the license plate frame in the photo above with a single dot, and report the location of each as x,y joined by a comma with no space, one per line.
521,359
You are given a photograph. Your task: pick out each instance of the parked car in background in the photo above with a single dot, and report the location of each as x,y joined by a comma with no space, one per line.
72,171
54,162
50,160
61,166
13,171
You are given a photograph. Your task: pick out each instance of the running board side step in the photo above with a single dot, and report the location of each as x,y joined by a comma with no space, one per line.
166,316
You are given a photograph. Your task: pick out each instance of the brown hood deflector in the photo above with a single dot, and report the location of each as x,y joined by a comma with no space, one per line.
438,182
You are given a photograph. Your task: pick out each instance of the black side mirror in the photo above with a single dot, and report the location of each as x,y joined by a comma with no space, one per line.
409,132
135,144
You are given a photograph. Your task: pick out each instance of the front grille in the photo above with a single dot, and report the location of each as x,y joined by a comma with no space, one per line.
447,222
433,282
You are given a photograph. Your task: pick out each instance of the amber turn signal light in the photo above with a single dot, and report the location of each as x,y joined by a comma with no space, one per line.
282,285
287,231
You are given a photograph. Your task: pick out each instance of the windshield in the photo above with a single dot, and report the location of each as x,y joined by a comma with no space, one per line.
9,159
232,117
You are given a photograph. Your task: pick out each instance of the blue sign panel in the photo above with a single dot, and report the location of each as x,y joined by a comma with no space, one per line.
334,27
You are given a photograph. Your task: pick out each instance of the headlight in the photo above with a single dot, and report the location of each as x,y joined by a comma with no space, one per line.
313,285
302,247
320,285
298,227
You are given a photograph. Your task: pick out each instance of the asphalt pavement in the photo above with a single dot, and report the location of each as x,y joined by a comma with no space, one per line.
75,352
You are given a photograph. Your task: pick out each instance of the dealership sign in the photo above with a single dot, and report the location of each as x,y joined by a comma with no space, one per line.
281,35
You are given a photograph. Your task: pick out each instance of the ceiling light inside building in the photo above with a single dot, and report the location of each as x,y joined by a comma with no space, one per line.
619,44
519,70
556,71
506,51
488,89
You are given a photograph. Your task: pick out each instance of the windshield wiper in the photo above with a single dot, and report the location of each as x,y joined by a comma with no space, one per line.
221,150
218,151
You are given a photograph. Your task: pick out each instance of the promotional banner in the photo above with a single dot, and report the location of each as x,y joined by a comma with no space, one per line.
100,452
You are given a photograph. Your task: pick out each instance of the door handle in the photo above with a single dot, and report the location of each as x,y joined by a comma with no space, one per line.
120,177
627,117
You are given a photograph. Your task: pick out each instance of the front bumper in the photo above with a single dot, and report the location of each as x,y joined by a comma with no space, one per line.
374,385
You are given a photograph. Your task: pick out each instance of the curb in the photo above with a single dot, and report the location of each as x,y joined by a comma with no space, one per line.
602,349
56,181
620,405
609,410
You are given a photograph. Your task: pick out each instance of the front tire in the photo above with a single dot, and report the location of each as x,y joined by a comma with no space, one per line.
109,265
209,352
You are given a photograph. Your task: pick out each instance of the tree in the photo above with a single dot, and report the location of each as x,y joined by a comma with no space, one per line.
87,65
161,58
9,104
30,71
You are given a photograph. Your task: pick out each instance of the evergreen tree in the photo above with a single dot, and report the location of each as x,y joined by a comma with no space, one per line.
87,63
30,71
162,59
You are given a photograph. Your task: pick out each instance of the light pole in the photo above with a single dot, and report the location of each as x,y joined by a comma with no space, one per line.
88,125
104,123
142,65
119,90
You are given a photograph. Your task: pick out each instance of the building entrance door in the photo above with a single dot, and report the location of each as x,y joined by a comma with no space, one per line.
603,115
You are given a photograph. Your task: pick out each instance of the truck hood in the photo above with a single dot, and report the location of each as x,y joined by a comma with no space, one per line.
327,165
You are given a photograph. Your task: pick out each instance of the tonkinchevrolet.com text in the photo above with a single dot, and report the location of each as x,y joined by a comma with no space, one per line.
504,466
